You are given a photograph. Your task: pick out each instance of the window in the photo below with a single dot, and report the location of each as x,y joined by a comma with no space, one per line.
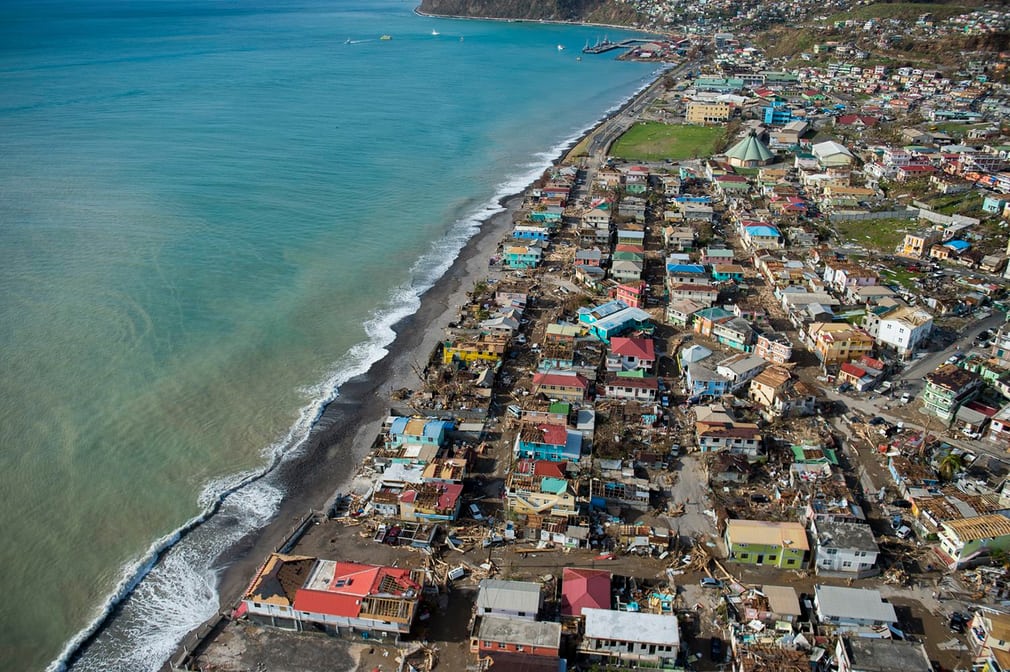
846,563
771,558
744,556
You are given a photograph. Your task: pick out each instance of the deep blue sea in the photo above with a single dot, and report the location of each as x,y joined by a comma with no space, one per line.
211,213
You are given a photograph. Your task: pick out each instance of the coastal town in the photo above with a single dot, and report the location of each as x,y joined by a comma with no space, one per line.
733,393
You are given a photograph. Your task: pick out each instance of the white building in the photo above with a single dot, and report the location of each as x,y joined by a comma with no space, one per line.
739,369
852,608
903,328
847,548
630,637
511,599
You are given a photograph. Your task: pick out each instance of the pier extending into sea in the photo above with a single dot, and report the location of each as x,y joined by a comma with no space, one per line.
606,45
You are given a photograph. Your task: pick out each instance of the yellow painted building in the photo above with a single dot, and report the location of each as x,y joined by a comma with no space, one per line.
917,244
838,342
708,113
486,348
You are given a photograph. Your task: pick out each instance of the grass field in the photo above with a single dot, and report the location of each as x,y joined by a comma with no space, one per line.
877,234
654,141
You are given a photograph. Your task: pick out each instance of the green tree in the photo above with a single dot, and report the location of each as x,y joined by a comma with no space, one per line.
949,466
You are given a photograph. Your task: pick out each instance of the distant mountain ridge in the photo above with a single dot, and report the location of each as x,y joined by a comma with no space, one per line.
591,11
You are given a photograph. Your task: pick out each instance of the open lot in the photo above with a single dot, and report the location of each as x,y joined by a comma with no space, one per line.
876,234
653,141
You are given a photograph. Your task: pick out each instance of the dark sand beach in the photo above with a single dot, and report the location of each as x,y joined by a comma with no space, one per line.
345,432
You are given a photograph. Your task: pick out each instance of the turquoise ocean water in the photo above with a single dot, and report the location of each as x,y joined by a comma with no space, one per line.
210,214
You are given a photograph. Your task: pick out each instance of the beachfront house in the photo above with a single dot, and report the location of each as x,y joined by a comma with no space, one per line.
304,593
418,431
523,256
468,349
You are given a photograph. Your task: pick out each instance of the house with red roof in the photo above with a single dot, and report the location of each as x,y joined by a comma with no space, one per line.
913,171
431,502
857,121
563,385
584,589
555,443
299,592
630,354
860,378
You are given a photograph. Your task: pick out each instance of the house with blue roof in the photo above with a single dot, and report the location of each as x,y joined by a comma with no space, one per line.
614,318
418,431
531,232
762,237
674,267
949,249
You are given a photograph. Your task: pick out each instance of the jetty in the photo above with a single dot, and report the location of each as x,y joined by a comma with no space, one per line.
607,45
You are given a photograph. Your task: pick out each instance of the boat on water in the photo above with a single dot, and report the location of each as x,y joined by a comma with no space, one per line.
347,41
561,47
434,32
386,37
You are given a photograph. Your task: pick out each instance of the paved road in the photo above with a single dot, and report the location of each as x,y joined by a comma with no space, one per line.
613,128
911,380
691,489
913,374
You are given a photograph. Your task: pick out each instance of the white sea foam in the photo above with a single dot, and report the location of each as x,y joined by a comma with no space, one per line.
172,595
171,589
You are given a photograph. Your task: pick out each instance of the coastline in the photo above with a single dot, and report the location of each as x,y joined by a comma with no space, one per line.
320,467
559,22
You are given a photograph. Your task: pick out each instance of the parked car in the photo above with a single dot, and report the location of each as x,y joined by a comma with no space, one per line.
906,397
958,622
709,582
903,532
877,420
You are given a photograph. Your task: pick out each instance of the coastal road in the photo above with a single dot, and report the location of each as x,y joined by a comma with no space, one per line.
606,133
